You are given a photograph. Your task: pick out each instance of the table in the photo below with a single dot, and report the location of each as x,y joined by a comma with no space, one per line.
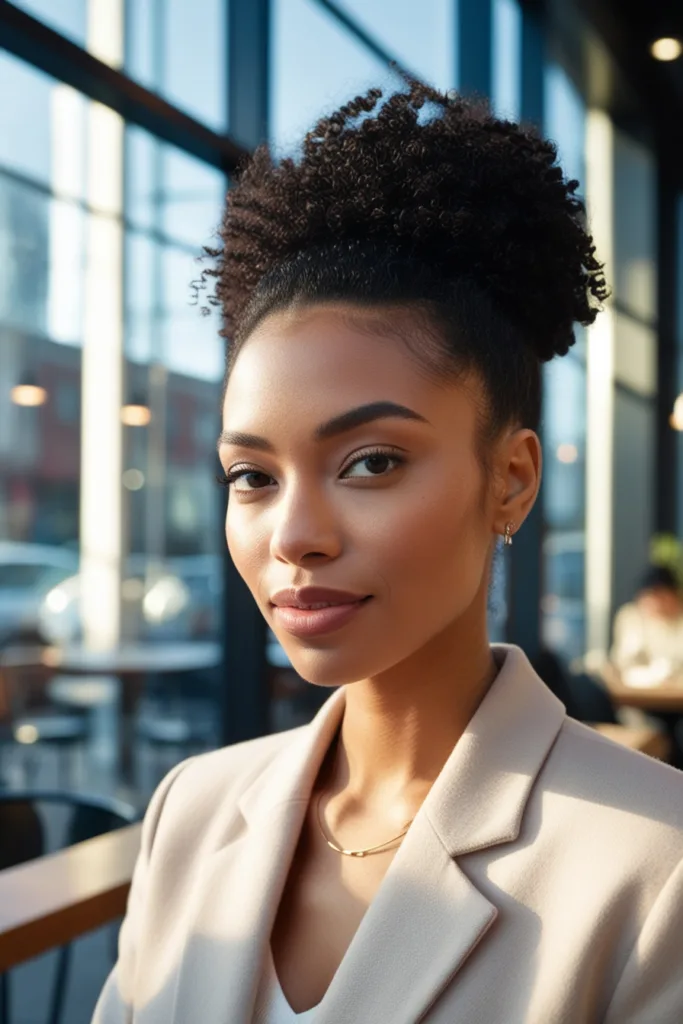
128,663
642,738
665,698
664,701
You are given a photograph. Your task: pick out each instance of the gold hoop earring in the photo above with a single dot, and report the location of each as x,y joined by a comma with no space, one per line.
507,537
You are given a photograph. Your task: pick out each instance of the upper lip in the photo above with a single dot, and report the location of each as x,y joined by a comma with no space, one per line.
304,597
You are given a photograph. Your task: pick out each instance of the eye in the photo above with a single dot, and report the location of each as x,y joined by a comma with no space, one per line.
372,464
246,480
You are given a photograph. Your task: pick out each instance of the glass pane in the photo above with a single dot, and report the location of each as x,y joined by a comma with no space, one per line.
564,495
53,151
507,55
170,192
179,50
563,612
62,312
26,100
635,222
421,39
565,113
679,346
316,66
66,16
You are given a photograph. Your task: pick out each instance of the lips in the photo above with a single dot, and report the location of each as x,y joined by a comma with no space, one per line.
309,597
315,611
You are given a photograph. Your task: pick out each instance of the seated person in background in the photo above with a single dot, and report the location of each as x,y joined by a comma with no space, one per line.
648,632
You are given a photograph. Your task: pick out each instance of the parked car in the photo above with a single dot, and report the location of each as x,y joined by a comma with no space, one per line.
180,600
27,573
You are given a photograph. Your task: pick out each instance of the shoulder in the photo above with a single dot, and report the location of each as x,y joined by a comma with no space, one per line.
208,786
627,613
608,787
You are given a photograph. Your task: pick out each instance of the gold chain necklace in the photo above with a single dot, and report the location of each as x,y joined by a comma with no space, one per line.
357,853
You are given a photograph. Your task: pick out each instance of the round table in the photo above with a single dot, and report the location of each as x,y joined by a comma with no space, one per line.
129,663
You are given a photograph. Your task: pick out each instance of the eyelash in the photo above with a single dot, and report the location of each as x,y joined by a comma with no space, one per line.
227,479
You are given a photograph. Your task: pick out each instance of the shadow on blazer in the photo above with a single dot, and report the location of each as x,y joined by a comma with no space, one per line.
540,882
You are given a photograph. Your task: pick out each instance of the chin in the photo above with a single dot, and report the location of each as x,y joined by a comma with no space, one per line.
323,668
337,666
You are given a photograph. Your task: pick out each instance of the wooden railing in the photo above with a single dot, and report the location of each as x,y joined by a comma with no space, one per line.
50,901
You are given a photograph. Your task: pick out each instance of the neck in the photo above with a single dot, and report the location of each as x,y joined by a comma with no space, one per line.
399,728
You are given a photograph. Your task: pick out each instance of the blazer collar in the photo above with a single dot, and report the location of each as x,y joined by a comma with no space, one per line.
493,765
427,916
478,799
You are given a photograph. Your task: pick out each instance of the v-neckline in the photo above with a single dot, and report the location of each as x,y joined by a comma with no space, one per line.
278,997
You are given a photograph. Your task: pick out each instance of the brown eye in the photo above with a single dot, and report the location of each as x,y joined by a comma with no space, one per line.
372,464
246,480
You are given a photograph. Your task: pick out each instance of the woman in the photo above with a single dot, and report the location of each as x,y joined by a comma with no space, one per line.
441,843
648,632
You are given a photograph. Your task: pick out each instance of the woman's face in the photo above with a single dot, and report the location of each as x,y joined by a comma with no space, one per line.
355,473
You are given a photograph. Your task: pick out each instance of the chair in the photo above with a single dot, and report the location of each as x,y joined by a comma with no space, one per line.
178,716
185,732
27,728
23,837
583,698
49,729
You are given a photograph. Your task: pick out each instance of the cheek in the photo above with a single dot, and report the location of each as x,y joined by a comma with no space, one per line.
248,545
433,545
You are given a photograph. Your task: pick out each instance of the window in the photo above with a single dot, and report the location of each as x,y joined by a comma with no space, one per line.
507,54
563,611
101,226
69,17
179,49
421,38
316,65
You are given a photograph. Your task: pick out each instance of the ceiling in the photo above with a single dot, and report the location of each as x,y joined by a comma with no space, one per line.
627,27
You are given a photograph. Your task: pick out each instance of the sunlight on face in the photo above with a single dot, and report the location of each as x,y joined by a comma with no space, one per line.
351,470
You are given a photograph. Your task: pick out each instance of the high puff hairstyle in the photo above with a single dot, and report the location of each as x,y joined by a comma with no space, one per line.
426,203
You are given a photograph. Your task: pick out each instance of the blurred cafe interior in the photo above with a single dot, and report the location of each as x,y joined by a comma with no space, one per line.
127,641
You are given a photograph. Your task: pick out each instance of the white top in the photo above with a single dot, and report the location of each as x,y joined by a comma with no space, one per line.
641,640
271,1003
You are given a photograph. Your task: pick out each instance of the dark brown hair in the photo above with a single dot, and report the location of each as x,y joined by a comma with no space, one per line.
428,202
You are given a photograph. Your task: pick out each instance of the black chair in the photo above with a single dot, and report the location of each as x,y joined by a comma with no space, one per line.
27,730
23,837
177,716
582,696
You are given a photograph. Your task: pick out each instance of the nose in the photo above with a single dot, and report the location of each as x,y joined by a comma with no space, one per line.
306,529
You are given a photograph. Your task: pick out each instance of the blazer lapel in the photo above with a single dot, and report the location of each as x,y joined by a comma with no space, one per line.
237,901
427,916
424,922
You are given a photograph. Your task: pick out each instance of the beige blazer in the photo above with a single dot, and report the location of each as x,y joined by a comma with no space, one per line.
540,883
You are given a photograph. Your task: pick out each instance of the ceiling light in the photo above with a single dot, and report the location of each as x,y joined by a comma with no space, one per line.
28,392
133,479
28,395
666,48
567,453
676,417
136,415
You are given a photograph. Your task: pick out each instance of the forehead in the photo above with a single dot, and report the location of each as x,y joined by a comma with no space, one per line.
323,359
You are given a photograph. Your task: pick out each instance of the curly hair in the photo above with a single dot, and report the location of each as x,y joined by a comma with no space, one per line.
424,201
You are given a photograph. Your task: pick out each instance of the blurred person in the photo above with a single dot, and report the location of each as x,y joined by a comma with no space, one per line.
648,631
442,841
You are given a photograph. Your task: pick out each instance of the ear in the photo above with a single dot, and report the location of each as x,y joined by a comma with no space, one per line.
519,463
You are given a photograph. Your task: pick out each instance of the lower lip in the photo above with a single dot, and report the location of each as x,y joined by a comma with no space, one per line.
305,622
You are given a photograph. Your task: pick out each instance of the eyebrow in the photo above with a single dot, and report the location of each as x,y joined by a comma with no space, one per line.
346,421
